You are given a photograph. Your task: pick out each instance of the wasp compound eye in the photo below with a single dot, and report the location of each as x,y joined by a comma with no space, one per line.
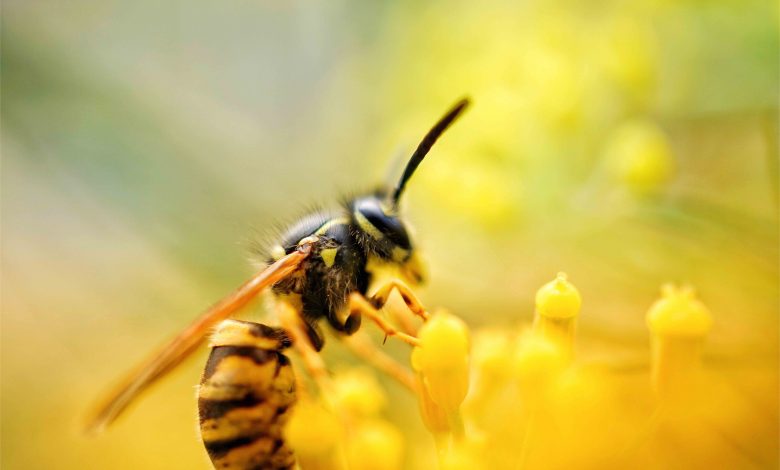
384,228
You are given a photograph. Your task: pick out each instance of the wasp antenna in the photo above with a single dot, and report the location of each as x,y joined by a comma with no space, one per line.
427,142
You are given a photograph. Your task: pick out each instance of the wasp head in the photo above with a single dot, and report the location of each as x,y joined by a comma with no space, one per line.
376,217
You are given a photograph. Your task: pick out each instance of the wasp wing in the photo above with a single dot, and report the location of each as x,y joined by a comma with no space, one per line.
175,351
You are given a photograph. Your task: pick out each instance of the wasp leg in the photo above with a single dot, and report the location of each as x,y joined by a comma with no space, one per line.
298,330
379,298
359,305
245,397
361,346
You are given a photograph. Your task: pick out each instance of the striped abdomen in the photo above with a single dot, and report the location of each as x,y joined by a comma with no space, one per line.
245,397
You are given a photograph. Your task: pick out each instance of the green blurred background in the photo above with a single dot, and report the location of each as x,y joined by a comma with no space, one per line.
145,145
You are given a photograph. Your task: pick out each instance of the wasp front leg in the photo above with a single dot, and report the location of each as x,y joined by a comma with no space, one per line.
359,306
245,397
362,347
381,296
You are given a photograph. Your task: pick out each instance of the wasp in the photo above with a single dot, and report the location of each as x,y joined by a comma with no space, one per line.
320,269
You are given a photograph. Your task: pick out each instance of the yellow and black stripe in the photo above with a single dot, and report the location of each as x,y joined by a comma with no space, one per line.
245,397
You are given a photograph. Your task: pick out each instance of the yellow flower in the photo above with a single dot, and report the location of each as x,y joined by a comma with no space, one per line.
679,313
629,55
375,445
357,392
315,434
536,362
434,417
558,299
443,359
679,323
639,154
557,307
461,457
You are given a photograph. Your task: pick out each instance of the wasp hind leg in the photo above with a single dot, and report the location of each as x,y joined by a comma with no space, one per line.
245,397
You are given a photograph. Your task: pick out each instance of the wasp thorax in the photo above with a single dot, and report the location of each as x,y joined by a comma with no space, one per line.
382,230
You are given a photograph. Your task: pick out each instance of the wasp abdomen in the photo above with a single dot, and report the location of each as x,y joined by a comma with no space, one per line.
245,397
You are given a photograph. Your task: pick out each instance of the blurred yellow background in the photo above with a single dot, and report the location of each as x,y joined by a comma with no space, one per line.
145,145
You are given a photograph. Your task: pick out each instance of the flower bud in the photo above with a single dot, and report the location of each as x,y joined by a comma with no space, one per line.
314,433
679,313
357,392
639,155
443,359
375,445
558,299
678,323
557,307
491,366
536,361
433,416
